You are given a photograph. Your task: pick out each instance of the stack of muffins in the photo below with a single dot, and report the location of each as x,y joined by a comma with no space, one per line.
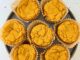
39,34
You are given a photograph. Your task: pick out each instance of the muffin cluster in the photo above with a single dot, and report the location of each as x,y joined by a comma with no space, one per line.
33,30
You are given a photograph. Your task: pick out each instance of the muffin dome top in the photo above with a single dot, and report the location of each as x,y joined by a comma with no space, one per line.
41,35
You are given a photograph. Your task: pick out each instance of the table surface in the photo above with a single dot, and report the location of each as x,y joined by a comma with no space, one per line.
5,10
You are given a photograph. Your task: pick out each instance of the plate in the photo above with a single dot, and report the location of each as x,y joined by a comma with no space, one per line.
40,17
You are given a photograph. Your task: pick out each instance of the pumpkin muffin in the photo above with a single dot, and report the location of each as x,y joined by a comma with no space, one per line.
54,10
68,31
26,9
13,32
56,52
40,34
24,52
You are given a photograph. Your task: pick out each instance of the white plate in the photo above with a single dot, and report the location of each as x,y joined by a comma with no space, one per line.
5,10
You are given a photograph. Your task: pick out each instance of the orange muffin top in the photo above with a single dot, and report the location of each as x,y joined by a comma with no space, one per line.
54,10
27,9
41,35
68,31
13,32
24,52
56,52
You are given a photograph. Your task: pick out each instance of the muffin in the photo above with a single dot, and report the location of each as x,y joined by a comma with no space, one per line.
54,10
56,52
13,32
40,34
24,52
68,32
26,9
